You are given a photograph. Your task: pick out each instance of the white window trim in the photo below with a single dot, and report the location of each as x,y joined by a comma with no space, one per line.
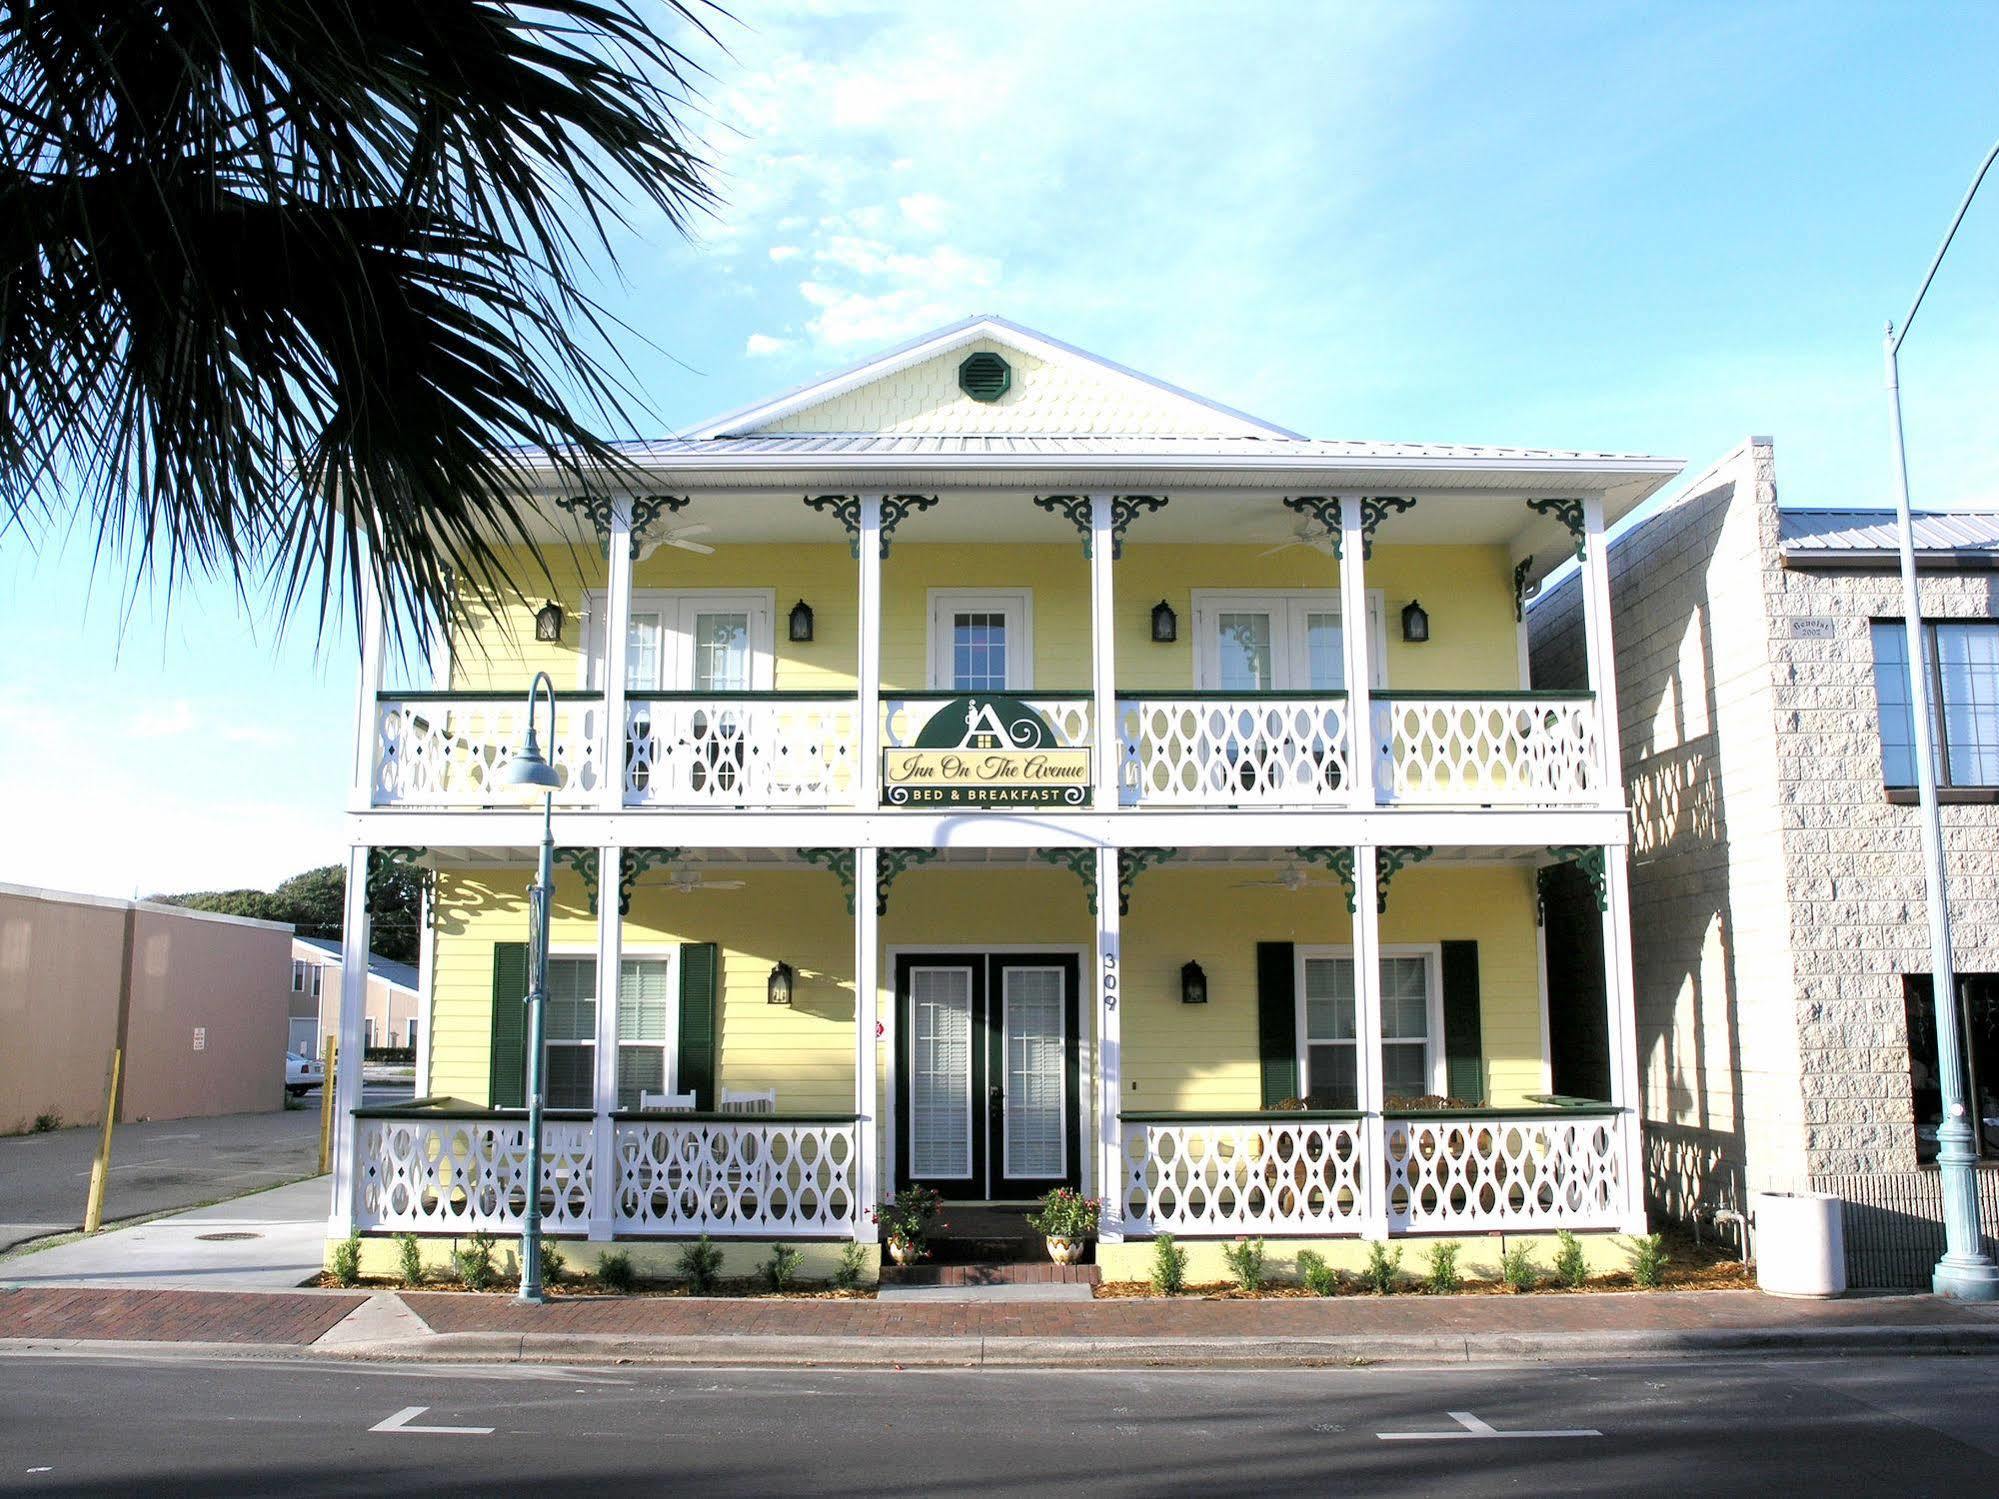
971,1064
762,604
668,954
1207,602
1062,1019
1018,606
1435,1062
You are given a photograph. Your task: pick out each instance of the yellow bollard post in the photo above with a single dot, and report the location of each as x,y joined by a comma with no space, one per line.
100,1168
332,1054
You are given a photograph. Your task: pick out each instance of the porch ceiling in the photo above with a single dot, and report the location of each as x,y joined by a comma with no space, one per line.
752,860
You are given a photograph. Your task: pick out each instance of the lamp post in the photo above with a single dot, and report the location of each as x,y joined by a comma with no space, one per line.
528,767
1964,1271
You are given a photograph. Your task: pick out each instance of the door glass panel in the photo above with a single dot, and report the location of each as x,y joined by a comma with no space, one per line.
642,653
1033,1043
940,1072
1243,660
1324,664
978,651
721,651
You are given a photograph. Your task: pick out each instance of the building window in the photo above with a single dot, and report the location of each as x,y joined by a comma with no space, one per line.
367,1033
1978,1004
1962,659
1409,1024
318,975
569,1046
411,1043
645,993
980,642
298,976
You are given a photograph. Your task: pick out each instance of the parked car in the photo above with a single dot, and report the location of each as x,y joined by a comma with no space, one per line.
302,1074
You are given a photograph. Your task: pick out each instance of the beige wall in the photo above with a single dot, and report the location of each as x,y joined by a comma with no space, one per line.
59,983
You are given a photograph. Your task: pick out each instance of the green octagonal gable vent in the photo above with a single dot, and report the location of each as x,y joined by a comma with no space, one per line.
985,376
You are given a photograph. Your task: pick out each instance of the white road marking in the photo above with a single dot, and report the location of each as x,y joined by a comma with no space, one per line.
400,1421
1476,1430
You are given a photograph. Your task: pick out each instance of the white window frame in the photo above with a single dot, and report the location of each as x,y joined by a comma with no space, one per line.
675,657
571,953
1016,604
1435,1060
1289,604
670,1044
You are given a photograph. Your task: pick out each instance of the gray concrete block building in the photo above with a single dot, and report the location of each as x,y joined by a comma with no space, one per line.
1781,949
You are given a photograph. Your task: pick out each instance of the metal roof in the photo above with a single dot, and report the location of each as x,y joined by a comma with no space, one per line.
401,975
1831,538
1014,445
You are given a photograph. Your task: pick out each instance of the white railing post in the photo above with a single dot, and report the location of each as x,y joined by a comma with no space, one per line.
426,982
604,1095
346,1082
867,1092
1108,745
867,774
1110,1051
1599,651
1357,653
617,648
1619,996
367,736
1367,1032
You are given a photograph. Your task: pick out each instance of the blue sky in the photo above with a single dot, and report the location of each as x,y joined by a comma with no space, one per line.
1628,227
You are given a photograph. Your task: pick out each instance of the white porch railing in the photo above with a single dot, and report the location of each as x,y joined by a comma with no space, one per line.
1195,749
1523,748
1301,1173
755,1176
448,749
761,749
1478,1170
440,1173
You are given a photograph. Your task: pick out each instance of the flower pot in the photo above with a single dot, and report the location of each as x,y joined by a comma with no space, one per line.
902,1251
1065,1251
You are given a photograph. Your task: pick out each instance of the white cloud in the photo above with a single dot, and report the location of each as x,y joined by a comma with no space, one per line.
925,211
162,720
761,344
782,253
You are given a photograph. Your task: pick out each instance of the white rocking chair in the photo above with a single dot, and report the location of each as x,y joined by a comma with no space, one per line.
666,1103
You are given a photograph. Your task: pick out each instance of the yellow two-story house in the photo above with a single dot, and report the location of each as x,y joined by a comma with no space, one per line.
991,768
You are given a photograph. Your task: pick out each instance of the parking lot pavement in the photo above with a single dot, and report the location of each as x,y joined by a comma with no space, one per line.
158,1166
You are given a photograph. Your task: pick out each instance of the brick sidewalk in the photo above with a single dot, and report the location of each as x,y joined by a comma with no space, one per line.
160,1316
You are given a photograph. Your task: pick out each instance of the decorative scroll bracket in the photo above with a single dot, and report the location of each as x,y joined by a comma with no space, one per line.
1389,862
841,862
1339,861
846,509
633,862
1323,508
1081,862
1075,506
892,862
1131,863
1374,509
385,864
1125,508
584,862
646,509
1586,857
1570,513
897,508
1520,591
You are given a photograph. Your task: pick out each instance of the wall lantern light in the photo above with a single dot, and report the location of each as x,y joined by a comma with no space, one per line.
1193,985
779,988
1415,623
548,621
1165,624
801,622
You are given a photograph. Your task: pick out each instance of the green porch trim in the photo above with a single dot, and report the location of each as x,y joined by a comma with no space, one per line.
1217,695
794,696
841,862
1131,863
1569,512
890,865
584,862
1577,1111
482,695
386,864
1234,1116
930,695
646,509
633,862
1472,694
846,509
1586,857
452,1108
718,1116
1389,861
1520,570
897,508
1081,862
1374,509
1323,508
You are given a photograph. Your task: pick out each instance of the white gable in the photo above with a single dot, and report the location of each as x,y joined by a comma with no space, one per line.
1055,391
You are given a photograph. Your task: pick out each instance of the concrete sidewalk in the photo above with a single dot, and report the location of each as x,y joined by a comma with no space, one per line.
444,1327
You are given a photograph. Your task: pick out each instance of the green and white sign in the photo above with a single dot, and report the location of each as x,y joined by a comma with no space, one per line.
982,751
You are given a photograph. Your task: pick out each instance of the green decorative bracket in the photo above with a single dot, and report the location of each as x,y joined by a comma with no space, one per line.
1125,508
1520,571
1586,857
584,862
633,862
1131,863
890,866
1081,862
1374,509
1323,508
841,862
1389,862
1570,513
384,865
846,509
897,508
1075,506
1339,861
646,509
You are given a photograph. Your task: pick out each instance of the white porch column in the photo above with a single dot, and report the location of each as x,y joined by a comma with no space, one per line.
867,1091
370,624
1103,657
1620,1000
1600,652
426,983
617,647
1367,1031
1358,653
1110,1050
346,1082
867,711
610,967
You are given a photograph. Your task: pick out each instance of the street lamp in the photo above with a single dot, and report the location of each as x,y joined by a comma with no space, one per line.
529,768
1964,1271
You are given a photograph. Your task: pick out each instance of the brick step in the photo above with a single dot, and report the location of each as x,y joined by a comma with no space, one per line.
1030,1273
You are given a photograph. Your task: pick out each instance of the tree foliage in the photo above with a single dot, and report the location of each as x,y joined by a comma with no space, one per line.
315,904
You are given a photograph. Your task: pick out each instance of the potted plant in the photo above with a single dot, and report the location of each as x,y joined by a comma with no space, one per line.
905,1222
1068,1220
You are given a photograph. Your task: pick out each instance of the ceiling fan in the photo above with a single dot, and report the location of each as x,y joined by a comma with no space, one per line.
677,536
1291,877
1305,534
685,881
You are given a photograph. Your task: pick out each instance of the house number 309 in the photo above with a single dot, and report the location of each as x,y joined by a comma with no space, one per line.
1110,981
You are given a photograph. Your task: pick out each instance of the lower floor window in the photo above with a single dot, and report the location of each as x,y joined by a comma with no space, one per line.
1978,1009
570,1031
643,996
1332,1037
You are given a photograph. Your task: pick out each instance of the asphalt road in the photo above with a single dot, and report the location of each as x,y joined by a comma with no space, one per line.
158,1166
95,1425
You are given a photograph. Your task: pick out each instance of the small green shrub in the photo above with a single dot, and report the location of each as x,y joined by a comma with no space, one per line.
1648,1260
1517,1268
1245,1262
473,1261
347,1260
409,1259
1571,1268
554,1263
781,1266
1319,1278
1169,1266
701,1263
1444,1278
853,1265
615,1273
45,1123
1384,1270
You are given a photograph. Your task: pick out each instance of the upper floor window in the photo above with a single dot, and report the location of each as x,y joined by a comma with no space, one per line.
1274,642
1962,660
980,642
298,975
692,642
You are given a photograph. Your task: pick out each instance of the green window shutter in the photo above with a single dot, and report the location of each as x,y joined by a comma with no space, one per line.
1464,1060
1277,1021
698,982
506,1086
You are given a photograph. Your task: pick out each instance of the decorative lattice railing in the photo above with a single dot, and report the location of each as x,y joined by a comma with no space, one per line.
1480,1169
438,1173
449,749
724,1175
1531,748
740,750
1213,750
1294,1173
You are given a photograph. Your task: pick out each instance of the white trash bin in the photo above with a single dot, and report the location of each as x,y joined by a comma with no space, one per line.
1800,1244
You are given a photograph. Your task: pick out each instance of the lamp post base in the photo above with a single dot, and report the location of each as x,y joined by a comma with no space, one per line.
531,1296
1970,1277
